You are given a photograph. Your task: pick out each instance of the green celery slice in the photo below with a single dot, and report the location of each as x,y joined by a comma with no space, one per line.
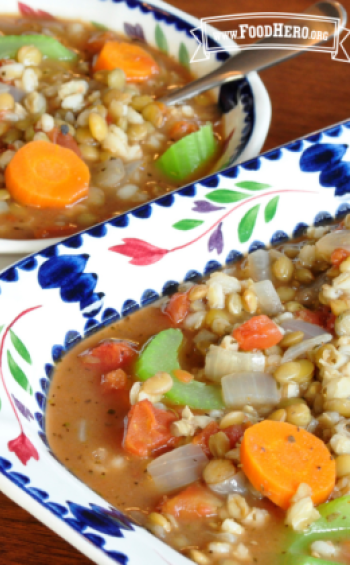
334,524
188,154
293,559
161,354
49,47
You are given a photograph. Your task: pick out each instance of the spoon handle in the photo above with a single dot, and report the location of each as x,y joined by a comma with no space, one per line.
257,58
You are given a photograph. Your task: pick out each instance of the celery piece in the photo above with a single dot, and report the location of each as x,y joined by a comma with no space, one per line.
161,354
188,154
292,559
333,525
48,46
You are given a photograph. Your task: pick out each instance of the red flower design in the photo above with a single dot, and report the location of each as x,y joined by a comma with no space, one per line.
23,448
142,253
29,12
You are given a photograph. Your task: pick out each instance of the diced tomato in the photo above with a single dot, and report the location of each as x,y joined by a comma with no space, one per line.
108,356
257,333
202,438
234,434
338,256
178,307
195,501
148,430
181,129
114,380
309,316
322,317
97,41
64,140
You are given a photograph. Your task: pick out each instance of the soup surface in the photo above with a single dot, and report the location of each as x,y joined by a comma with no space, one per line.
94,93
218,418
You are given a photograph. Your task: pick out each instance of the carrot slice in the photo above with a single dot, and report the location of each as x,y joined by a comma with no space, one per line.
257,333
148,429
338,256
195,501
108,356
183,376
137,64
178,307
114,380
277,457
45,175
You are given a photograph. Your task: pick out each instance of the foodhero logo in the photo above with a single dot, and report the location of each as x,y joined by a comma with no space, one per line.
275,30
272,31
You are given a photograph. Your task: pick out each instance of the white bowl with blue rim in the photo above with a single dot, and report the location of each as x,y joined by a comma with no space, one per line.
246,102
71,289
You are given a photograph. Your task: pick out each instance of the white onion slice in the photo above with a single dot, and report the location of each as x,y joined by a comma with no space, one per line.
220,362
309,330
269,301
328,243
255,389
178,468
301,348
260,265
237,483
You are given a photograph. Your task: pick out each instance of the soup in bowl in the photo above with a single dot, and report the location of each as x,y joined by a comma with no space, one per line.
83,137
212,409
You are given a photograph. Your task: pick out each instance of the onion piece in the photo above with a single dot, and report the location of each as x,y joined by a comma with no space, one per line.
309,330
220,362
308,294
237,483
17,93
255,389
269,301
178,468
260,265
334,240
109,174
301,348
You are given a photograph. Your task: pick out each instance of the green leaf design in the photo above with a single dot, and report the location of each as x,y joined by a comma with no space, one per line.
18,374
247,224
185,225
270,209
184,57
20,347
252,185
99,26
1,328
224,196
161,40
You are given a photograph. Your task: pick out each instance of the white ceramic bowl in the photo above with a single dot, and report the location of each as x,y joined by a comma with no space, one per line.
61,294
161,26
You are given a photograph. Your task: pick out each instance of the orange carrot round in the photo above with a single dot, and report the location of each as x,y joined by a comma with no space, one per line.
277,457
45,175
137,64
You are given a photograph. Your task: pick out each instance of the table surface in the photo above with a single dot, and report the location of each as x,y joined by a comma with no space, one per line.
307,93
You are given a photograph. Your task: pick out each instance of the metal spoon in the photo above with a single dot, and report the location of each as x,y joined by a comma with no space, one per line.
244,62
